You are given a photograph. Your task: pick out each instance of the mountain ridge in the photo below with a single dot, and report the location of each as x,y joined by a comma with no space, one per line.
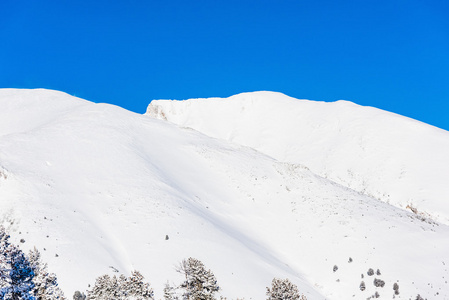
364,148
99,187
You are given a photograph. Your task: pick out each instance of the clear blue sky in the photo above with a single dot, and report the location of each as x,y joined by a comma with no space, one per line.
390,54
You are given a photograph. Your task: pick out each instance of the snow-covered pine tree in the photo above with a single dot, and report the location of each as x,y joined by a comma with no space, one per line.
137,288
200,284
122,291
283,289
46,285
16,273
121,288
117,288
102,289
4,237
170,292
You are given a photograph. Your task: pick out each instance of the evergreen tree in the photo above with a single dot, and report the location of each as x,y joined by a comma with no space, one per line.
200,284
137,288
16,273
46,285
170,292
121,288
283,289
102,289
4,237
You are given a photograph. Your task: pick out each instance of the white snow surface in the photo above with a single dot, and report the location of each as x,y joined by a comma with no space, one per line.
390,157
94,186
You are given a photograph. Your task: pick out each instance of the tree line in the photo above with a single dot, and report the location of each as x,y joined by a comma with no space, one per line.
26,277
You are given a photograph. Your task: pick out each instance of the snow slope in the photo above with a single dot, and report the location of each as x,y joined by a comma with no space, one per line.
387,156
96,187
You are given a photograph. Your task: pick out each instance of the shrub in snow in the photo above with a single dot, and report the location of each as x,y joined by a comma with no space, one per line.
370,272
362,286
46,285
396,288
120,288
199,284
16,273
79,296
378,272
283,289
418,297
379,283
335,268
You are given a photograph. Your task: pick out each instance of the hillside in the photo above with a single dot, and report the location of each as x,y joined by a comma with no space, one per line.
96,187
398,160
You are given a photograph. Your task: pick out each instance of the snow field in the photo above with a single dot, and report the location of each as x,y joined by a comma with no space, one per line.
101,187
398,160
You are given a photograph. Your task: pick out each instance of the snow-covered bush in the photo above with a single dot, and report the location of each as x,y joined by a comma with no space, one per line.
199,284
283,289
362,286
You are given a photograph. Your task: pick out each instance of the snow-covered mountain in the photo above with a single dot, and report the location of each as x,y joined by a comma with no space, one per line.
98,188
398,160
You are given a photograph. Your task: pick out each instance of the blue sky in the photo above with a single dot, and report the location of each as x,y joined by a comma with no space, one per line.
393,55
